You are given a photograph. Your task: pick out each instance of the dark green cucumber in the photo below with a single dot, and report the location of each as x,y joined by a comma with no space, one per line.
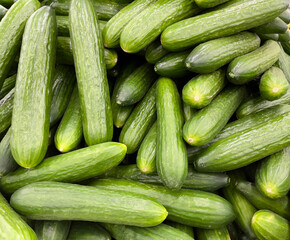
12,226
160,232
230,18
270,226
135,86
201,90
45,201
6,107
233,231
88,52
188,112
210,56
246,147
3,11
272,36
194,180
139,122
273,84
286,47
171,157
87,231
275,26
284,37
145,27
249,66
154,52
182,227
285,16
11,28
146,157
172,65
7,3
191,207
52,230
9,83
208,122
213,234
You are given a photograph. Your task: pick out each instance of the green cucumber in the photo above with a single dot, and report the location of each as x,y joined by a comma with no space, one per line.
139,122
134,87
11,28
184,228
188,112
45,201
210,56
213,234
171,157
275,26
154,52
286,47
209,3
246,147
7,3
201,90
273,84
12,226
285,16
249,66
285,37
191,207
3,11
208,122
232,17
52,230
88,52
31,108
283,63
172,65
271,36
9,83
145,27
270,226
146,157
233,231
6,107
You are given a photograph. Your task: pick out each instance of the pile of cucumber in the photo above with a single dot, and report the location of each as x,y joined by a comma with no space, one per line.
144,119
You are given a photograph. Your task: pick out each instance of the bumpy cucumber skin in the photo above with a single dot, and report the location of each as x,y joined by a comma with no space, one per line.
208,122
201,90
6,108
52,230
270,226
45,201
31,110
154,52
209,3
213,234
285,16
275,26
3,11
283,62
182,227
249,66
148,24
11,28
171,157
8,84
88,52
210,56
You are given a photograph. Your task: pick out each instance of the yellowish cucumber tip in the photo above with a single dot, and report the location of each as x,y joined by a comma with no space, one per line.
190,140
125,147
187,64
155,68
116,60
275,90
118,102
196,98
232,75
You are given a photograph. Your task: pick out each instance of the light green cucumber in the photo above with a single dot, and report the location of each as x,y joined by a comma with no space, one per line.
182,227
52,230
213,234
275,26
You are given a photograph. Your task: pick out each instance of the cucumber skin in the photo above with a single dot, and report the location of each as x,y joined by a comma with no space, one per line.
8,84
12,28
221,22
184,228
285,16
188,112
6,107
91,73
270,226
249,66
277,25
31,107
204,87
87,204
208,122
284,37
286,47
243,148
3,11
191,207
283,63
210,56
171,157
155,18
52,230
154,52
213,234
272,36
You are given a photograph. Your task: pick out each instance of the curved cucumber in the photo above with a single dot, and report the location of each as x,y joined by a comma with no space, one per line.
87,231
9,83
6,107
52,230
201,90
188,112
184,228
3,11
275,26
213,234
87,204
210,56
247,67
285,16
154,52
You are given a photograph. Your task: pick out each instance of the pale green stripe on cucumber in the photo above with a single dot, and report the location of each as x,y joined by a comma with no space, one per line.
213,234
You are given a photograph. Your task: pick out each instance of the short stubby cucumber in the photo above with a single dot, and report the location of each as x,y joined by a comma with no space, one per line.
52,230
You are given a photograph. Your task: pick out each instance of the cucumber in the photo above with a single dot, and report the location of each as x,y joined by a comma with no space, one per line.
145,27
233,231
7,3
208,122
139,122
271,36
184,228
246,147
154,52
191,207
160,232
273,84
283,63
284,37
201,90
52,230
12,226
11,28
135,86
232,17
209,3
116,24
45,201
146,157
6,106
172,65
213,234
9,83
249,66
3,11
188,112
285,16
270,226
88,52
87,231
171,157
210,56
275,26
87,163
286,47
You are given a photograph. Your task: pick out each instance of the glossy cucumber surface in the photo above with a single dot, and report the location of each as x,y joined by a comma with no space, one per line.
275,26
6,108
52,230
155,51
